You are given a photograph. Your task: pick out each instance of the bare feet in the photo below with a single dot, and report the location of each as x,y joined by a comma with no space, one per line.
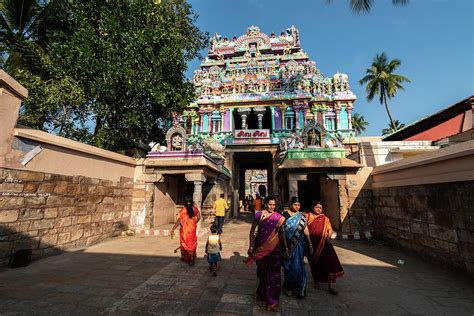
272,308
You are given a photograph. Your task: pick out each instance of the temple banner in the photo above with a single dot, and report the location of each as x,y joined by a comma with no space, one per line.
252,133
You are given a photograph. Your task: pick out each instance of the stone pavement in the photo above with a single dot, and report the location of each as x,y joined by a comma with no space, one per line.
142,275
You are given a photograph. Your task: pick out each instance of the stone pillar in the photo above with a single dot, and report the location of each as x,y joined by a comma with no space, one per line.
243,114
198,179
201,122
260,110
222,125
297,115
231,119
349,115
344,215
272,111
282,110
210,122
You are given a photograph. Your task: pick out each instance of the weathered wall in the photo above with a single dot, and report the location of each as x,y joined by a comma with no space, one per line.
48,212
330,201
426,204
164,207
358,188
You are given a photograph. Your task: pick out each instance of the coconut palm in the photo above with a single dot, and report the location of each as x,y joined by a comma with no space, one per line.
17,18
390,128
364,6
382,81
359,123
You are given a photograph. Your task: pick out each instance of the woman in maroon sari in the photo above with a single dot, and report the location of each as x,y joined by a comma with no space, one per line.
325,265
265,250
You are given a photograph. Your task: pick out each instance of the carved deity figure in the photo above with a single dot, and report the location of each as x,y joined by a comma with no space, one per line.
177,142
313,138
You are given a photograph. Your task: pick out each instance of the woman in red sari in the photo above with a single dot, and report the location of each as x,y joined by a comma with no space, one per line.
325,265
188,217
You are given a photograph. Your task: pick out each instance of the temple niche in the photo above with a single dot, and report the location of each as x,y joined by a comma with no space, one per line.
176,138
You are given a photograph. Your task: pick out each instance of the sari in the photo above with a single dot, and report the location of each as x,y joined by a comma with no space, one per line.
267,255
325,265
294,267
187,235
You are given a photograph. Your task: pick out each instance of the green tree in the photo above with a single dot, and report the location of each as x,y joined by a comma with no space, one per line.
359,123
364,6
382,81
120,64
390,128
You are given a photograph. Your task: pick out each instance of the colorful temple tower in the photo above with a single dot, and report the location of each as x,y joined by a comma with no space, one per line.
259,88
261,104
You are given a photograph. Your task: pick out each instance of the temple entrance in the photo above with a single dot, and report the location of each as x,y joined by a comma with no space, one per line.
254,170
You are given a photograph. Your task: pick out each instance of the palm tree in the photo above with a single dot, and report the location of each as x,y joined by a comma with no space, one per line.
359,123
17,18
364,6
382,81
390,128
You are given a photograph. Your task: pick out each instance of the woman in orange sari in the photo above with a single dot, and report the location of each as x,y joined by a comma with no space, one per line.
188,217
325,265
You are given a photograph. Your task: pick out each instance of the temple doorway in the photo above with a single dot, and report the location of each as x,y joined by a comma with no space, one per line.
254,170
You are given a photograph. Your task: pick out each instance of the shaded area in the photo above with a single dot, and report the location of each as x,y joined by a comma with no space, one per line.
142,275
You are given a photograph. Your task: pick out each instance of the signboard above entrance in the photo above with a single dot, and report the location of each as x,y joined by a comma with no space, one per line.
251,136
252,133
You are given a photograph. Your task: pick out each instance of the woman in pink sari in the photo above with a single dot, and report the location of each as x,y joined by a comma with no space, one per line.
325,265
188,217
265,250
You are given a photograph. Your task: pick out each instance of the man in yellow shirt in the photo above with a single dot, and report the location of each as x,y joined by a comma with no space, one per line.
220,206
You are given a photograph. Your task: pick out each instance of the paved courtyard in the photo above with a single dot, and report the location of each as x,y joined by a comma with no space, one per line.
142,275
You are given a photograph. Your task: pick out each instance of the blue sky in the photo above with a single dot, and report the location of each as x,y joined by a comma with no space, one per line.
433,39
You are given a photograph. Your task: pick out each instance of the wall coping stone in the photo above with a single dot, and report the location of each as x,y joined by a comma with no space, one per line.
47,138
456,151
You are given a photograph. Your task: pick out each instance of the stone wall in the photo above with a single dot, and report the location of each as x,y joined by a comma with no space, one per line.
49,213
426,204
433,220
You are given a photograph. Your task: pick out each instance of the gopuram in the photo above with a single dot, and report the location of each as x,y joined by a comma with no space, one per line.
261,104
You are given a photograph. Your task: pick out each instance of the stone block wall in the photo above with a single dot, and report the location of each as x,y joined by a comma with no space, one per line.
433,220
49,213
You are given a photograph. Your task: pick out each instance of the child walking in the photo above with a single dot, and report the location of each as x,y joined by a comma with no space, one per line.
213,249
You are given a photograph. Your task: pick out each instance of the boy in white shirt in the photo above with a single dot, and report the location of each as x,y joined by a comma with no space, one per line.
213,249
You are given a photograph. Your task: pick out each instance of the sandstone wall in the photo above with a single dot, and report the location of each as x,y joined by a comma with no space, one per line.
49,212
426,204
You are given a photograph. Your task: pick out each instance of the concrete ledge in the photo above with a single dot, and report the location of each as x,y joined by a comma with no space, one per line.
166,232
12,85
451,164
47,138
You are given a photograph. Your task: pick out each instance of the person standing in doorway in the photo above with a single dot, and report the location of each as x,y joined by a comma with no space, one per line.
220,206
257,204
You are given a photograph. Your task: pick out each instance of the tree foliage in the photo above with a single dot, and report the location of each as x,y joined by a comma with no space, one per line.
382,81
365,6
104,72
390,129
359,123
